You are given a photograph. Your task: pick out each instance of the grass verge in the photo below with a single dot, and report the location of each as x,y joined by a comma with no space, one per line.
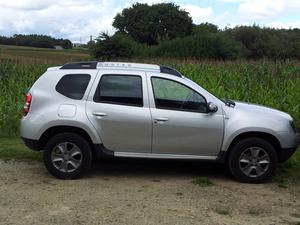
223,211
13,148
203,182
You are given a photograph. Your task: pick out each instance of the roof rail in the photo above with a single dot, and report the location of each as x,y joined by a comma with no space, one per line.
80,65
169,70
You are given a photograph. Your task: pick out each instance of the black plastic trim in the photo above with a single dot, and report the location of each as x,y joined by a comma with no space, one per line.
32,144
102,152
169,70
222,157
285,154
80,65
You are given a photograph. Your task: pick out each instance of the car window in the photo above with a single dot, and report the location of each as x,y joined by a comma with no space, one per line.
173,95
120,89
73,85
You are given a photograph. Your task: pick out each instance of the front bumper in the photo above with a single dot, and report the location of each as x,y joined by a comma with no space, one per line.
286,153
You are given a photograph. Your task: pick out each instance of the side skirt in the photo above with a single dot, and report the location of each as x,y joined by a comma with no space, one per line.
102,152
162,156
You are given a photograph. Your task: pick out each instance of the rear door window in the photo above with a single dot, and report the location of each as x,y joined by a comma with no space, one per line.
120,89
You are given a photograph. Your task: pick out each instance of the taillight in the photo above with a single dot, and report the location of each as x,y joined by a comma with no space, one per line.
27,104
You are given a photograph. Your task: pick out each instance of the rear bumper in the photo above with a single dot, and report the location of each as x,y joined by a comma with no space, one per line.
32,144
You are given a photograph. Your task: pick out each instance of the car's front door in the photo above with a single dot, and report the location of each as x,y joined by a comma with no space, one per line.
118,108
181,123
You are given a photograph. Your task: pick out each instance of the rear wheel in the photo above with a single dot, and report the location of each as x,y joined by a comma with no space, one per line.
67,156
252,160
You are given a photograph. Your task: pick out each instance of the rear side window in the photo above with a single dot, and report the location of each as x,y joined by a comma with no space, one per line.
120,89
73,85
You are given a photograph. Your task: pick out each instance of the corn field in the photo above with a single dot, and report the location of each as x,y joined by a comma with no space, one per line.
274,84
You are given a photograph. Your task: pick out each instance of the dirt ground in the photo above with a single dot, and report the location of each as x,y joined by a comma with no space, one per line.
141,192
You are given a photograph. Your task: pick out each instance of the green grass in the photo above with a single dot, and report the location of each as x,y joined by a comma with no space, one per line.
288,172
13,148
223,211
203,182
42,55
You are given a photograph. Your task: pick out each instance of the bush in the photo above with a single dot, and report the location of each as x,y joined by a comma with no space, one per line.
208,46
113,47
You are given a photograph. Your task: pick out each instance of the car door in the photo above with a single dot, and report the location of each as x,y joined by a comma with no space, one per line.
118,108
181,123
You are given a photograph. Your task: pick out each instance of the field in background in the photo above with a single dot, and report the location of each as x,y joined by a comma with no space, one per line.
42,55
263,82
275,84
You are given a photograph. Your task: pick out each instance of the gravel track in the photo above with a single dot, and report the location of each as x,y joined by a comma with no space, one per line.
141,192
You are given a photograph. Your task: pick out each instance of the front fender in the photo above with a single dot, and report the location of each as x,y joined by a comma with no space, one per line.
229,137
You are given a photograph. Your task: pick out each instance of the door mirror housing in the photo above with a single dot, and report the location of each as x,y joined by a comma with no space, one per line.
212,108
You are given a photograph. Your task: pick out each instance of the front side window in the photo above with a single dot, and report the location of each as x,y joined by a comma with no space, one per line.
173,95
120,89
73,85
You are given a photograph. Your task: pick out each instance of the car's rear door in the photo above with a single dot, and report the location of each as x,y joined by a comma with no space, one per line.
118,108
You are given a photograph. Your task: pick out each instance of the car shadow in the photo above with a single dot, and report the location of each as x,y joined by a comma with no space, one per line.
158,167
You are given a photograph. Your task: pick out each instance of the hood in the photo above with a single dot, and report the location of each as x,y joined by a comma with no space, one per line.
262,110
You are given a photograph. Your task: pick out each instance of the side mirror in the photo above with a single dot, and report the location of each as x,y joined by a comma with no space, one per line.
212,108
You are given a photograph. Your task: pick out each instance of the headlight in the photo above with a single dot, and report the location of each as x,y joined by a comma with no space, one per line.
293,126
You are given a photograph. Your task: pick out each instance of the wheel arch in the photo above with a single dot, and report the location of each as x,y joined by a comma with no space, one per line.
52,131
258,134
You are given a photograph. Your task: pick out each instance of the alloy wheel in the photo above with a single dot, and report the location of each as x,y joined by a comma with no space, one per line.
66,157
254,161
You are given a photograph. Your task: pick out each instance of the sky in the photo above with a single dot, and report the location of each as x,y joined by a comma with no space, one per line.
78,19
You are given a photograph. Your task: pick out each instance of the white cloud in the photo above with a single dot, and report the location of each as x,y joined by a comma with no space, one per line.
25,4
265,10
259,10
198,14
68,19
231,1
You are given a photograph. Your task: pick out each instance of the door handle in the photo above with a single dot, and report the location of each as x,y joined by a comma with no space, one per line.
99,114
160,120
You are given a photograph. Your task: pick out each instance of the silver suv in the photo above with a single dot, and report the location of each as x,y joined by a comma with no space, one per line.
104,109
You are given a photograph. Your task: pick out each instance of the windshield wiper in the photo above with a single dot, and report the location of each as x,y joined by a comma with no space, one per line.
229,103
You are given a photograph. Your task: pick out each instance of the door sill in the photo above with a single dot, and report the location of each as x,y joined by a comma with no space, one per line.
162,156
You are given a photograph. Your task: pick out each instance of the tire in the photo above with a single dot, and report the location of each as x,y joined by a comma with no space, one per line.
248,160
67,156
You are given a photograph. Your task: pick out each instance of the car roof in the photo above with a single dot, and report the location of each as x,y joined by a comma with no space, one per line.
120,66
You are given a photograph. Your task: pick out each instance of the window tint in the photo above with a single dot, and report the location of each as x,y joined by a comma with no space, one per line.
73,85
120,89
172,95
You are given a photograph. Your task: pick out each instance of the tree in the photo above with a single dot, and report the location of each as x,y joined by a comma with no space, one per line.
150,24
66,44
35,40
205,28
111,47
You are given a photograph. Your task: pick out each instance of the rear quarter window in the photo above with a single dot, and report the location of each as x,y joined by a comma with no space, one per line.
73,85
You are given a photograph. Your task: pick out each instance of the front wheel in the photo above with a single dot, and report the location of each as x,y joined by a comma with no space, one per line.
252,160
67,156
